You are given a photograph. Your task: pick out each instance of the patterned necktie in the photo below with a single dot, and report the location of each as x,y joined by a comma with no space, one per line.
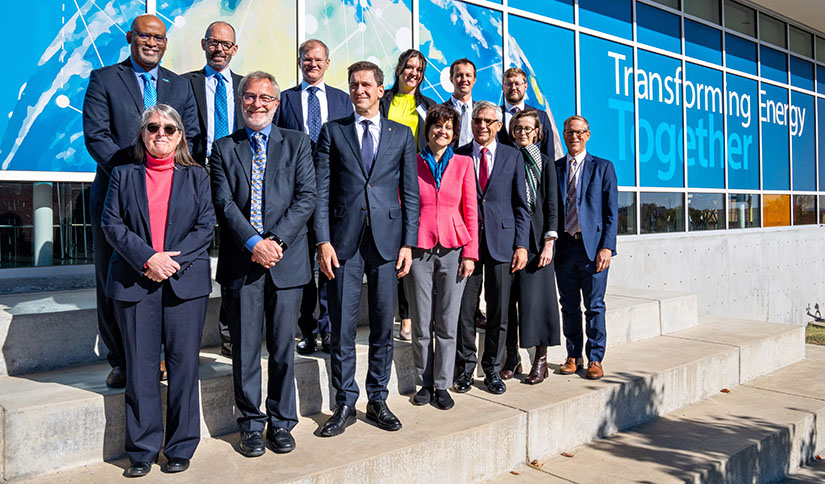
366,145
483,170
221,127
313,113
571,220
513,111
150,95
258,169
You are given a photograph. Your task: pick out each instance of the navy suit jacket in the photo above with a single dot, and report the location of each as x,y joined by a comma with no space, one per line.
598,209
503,207
427,103
197,80
547,145
189,229
348,195
289,200
111,115
290,113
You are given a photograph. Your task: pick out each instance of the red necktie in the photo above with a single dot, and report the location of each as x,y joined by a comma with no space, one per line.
483,174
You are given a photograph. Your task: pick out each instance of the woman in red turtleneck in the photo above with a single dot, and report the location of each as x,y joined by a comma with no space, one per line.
158,217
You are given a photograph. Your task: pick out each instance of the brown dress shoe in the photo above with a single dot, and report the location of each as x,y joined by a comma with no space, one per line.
594,370
571,365
539,371
507,374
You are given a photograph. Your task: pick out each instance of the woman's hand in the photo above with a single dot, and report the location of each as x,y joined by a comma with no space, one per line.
546,256
160,266
466,268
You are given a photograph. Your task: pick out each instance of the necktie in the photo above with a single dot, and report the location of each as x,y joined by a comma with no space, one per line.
465,135
221,127
258,170
571,219
483,170
313,113
515,110
150,95
367,146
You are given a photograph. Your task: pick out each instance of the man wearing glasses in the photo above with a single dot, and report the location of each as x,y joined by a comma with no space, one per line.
515,88
115,99
504,226
263,188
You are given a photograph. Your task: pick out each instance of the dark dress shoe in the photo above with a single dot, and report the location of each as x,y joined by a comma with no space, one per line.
138,469
494,384
117,379
325,343
539,370
379,413
423,396
443,400
306,346
506,373
281,440
177,464
252,444
343,417
226,349
463,383
480,320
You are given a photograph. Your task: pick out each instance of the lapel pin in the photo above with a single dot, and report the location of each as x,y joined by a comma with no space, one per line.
165,80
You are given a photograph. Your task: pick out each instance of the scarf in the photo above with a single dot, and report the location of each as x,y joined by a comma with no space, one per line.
437,167
532,170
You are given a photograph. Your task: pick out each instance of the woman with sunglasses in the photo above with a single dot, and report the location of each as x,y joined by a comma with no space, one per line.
159,219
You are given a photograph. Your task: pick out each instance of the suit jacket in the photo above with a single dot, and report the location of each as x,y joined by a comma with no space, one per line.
598,209
198,83
547,144
190,228
502,209
290,113
449,216
544,217
111,114
348,196
421,108
289,199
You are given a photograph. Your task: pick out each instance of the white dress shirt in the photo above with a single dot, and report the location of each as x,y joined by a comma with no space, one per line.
491,156
508,115
465,134
321,94
375,130
211,84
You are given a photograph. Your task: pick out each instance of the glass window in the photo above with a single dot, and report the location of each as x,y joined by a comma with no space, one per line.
662,212
801,42
822,209
703,42
674,4
820,49
772,30
802,73
744,211
627,213
820,79
740,18
740,54
706,9
774,116
658,28
803,141
777,210
774,64
821,132
706,211
556,9
613,17
804,209
704,93
743,133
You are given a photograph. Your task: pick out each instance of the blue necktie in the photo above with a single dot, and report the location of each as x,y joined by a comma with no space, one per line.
258,169
150,95
221,127
313,113
367,146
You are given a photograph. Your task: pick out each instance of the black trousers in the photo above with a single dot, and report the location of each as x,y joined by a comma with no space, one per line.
307,322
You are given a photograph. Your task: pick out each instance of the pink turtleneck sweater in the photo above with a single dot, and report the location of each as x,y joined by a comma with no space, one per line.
159,174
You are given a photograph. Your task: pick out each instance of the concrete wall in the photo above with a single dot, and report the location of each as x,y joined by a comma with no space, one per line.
762,274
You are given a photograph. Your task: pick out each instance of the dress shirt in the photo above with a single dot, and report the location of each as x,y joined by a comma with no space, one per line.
140,70
250,243
321,94
464,138
375,130
508,115
212,84
491,157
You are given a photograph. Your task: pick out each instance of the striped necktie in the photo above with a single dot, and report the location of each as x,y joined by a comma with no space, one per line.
256,217
150,95
221,127
571,219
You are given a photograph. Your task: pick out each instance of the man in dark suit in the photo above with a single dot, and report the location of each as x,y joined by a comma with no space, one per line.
219,111
504,231
587,191
115,99
305,108
463,78
515,87
263,187
366,222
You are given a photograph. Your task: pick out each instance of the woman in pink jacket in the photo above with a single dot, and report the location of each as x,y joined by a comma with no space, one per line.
447,249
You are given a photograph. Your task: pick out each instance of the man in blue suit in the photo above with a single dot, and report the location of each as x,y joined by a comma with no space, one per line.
115,99
263,187
366,222
515,88
306,108
587,191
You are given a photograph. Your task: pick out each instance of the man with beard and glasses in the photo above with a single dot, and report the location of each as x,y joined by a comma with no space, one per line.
515,89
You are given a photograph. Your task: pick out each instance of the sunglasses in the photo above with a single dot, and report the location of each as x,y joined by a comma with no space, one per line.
168,129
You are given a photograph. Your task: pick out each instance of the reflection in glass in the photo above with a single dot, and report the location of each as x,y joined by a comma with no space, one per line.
822,209
744,211
662,212
740,18
627,213
801,42
706,211
705,9
772,30
777,210
804,209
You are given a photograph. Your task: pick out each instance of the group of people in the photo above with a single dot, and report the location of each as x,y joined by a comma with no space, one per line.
430,201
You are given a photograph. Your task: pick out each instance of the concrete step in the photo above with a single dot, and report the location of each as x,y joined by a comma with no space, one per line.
759,432
812,473
68,418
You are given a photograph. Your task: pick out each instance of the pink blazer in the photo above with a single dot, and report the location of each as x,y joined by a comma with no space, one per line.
449,216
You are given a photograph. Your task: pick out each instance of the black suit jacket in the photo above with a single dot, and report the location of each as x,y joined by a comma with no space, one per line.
197,80
348,195
421,108
111,114
290,113
547,144
544,217
189,229
289,200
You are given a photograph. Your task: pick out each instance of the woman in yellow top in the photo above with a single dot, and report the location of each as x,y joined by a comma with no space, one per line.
405,104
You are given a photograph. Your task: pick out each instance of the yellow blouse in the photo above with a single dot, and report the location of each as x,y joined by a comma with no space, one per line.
402,110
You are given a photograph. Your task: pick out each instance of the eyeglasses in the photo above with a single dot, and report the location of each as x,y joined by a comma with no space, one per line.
160,39
515,83
488,122
214,43
579,133
250,98
524,129
168,129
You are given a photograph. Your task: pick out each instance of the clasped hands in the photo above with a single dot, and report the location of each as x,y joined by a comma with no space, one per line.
161,266
267,253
